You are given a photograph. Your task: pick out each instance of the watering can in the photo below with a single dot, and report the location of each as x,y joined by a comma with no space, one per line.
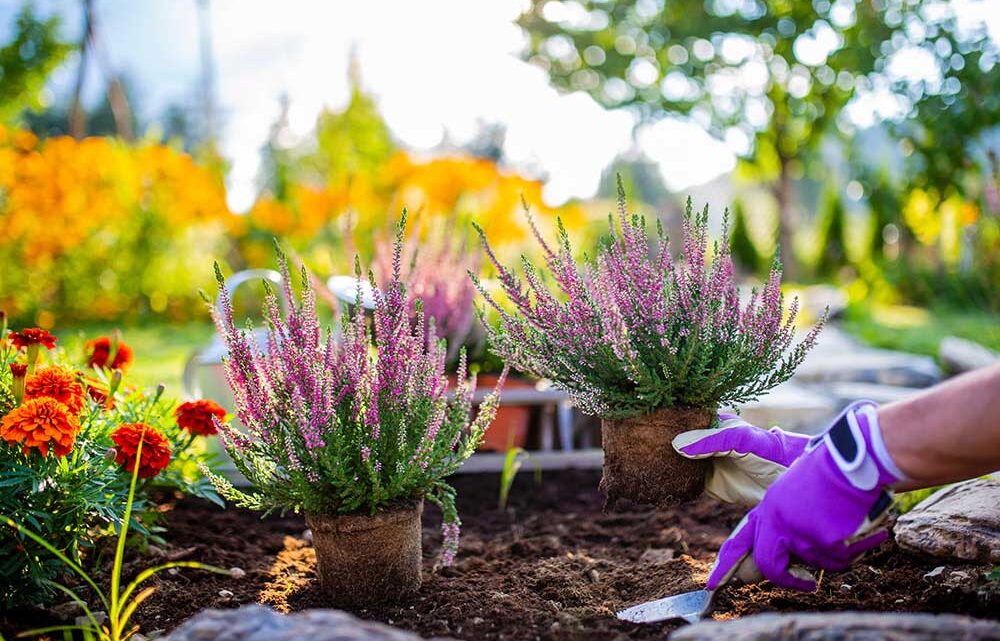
204,374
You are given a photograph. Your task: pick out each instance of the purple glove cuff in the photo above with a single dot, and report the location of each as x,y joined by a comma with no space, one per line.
856,445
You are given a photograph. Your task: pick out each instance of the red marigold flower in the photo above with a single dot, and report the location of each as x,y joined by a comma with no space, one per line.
32,336
155,448
196,416
39,423
99,354
19,370
58,383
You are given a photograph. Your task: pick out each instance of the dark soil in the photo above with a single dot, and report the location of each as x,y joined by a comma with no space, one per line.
554,566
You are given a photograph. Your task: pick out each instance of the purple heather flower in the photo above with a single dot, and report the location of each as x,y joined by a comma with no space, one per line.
634,329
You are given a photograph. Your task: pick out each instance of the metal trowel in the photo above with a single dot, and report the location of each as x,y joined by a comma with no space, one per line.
693,606
690,606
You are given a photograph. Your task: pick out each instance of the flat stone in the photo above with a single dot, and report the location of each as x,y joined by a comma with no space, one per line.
961,521
865,365
961,355
257,623
846,393
843,626
793,407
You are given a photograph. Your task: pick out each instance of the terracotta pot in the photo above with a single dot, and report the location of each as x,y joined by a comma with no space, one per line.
510,427
368,559
640,466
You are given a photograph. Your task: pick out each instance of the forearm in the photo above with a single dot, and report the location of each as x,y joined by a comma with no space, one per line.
949,433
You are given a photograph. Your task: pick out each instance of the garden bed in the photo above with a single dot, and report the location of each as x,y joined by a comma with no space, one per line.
552,567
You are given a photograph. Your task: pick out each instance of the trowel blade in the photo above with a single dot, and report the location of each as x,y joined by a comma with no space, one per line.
690,606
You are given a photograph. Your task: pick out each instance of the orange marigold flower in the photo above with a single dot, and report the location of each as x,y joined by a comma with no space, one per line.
99,354
155,448
39,423
32,336
196,416
58,383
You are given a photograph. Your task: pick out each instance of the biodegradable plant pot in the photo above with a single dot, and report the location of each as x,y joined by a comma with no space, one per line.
640,465
510,426
368,559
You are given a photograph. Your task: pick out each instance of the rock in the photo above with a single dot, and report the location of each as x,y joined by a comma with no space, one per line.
935,572
237,573
817,298
961,355
846,393
257,623
959,521
843,626
225,594
865,365
656,555
793,407
65,611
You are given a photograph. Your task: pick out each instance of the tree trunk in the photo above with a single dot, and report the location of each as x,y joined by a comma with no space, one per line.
784,193
77,115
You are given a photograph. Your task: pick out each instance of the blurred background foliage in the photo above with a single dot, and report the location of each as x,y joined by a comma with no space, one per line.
105,218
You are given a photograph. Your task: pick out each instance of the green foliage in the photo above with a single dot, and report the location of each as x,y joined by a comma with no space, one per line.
924,335
74,500
33,52
621,52
829,238
119,604
511,466
745,253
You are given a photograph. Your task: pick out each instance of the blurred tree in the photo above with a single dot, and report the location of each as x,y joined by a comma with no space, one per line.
100,121
350,142
830,248
33,52
745,252
771,77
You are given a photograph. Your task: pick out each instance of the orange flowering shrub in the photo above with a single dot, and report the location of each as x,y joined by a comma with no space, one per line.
155,448
112,226
40,423
99,353
447,191
198,417
32,336
79,412
57,383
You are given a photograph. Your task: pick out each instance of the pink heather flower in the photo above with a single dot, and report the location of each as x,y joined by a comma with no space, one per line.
357,418
633,329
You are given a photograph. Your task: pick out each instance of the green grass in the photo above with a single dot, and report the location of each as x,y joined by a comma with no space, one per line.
918,330
160,349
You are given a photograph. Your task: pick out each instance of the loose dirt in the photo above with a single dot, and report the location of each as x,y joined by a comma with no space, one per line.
553,566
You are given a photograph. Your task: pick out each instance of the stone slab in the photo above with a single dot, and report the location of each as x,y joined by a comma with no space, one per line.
843,626
257,623
961,521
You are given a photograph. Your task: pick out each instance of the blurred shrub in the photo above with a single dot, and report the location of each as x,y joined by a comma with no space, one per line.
99,229
331,222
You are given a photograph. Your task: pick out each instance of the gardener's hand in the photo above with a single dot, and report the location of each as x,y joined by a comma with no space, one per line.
746,458
825,511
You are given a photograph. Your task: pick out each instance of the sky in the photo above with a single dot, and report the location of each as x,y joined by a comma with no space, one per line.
436,68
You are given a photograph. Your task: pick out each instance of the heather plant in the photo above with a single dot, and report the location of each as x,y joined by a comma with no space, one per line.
355,423
633,330
433,268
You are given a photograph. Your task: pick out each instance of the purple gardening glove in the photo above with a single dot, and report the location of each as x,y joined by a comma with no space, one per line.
821,512
745,459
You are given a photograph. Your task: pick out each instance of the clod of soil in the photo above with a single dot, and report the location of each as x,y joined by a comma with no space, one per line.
553,567
364,559
640,464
